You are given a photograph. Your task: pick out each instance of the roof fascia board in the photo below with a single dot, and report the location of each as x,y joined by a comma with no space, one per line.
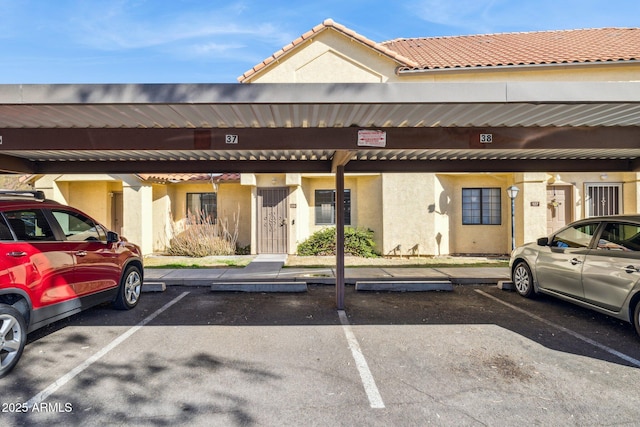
321,93
573,92
511,67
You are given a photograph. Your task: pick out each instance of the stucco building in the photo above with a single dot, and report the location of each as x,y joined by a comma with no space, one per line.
410,213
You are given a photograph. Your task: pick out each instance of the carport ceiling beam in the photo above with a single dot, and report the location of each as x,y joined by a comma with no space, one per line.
10,164
317,138
341,158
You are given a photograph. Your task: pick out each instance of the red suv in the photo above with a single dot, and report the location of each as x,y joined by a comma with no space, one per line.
56,261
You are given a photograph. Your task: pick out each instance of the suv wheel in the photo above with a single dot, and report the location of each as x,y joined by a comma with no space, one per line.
13,337
130,288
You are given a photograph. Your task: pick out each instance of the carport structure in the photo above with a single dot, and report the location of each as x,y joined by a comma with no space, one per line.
337,128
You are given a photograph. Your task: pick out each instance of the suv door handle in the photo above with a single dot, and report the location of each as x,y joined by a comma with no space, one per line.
17,254
81,253
631,269
575,261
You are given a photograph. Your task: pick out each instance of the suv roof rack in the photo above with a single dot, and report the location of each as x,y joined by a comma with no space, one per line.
36,194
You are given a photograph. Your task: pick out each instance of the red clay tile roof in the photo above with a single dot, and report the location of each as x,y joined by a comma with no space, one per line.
490,50
189,177
544,47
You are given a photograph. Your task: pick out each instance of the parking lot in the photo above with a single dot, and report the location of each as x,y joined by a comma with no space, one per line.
187,356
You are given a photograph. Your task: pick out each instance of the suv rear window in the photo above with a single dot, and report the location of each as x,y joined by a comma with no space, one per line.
5,233
30,225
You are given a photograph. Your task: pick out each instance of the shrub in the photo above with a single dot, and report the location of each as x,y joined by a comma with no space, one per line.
201,237
199,240
357,242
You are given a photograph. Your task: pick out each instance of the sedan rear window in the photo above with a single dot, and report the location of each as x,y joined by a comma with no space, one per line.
620,237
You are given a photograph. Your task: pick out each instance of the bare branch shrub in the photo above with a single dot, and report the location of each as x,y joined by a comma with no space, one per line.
203,236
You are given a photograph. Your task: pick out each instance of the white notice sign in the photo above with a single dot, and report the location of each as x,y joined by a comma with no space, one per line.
372,138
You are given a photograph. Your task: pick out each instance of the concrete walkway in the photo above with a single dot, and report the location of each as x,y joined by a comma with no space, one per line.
270,268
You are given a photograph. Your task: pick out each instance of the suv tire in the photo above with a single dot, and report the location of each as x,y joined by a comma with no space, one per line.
130,289
13,337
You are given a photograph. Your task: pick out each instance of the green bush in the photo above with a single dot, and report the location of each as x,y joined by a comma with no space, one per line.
357,242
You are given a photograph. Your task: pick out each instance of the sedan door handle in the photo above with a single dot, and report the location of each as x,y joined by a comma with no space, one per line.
81,253
631,269
575,261
17,254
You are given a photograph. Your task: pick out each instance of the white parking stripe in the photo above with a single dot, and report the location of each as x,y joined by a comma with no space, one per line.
375,400
609,350
44,394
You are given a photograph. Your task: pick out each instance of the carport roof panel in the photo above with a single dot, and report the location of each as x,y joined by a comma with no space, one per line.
506,104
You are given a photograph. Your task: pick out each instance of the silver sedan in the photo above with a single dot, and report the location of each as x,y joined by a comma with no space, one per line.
594,263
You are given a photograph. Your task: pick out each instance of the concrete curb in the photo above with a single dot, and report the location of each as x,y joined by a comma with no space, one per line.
154,287
288,287
403,286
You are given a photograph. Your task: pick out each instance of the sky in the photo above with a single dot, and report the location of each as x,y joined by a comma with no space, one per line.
198,41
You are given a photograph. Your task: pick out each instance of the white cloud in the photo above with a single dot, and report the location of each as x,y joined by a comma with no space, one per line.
466,14
490,16
126,25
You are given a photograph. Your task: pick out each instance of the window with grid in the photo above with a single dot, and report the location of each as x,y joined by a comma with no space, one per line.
202,208
603,199
481,206
325,207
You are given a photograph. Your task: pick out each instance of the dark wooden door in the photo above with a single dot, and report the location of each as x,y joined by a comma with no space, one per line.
273,226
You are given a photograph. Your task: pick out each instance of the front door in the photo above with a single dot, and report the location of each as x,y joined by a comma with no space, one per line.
116,212
558,207
272,220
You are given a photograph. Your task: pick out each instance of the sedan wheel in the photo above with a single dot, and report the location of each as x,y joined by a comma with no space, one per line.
523,280
13,336
130,289
636,318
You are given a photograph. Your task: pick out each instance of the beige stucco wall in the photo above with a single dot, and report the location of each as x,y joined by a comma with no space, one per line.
138,209
631,192
328,58
408,225
161,200
530,206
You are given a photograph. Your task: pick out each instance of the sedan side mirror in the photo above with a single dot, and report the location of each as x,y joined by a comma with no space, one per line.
543,241
112,237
